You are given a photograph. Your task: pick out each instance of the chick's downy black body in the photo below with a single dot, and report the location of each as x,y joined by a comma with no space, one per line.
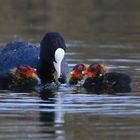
112,82
4,81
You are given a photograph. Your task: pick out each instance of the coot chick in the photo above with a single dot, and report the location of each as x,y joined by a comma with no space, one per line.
22,78
77,73
101,81
47,58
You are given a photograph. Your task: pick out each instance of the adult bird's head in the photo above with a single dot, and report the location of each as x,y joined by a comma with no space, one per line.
77,73
96,70
52,52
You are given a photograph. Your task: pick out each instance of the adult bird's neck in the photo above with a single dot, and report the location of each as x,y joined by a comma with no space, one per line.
45,72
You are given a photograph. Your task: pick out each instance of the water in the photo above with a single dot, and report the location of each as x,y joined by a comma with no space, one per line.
95,31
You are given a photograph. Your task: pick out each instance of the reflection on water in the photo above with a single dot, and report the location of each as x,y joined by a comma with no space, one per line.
95,31
69,116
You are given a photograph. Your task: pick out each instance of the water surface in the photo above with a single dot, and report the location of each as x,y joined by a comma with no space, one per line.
95,31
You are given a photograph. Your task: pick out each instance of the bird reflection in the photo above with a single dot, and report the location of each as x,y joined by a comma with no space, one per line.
46,115
51,115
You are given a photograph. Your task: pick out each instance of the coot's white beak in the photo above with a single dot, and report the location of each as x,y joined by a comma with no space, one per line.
59,55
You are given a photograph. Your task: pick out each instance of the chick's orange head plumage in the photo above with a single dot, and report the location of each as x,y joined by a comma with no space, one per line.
96,70
29,71
24,71
78,71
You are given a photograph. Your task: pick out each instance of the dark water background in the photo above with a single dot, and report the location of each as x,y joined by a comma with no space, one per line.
95,31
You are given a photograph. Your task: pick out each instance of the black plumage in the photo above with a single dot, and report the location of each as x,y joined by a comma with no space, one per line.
41,57
49,44
112,82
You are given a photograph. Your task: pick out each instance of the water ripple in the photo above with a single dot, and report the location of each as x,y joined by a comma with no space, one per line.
74,103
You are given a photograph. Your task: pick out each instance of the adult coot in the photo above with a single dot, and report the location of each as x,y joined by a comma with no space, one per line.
52,52
47,58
